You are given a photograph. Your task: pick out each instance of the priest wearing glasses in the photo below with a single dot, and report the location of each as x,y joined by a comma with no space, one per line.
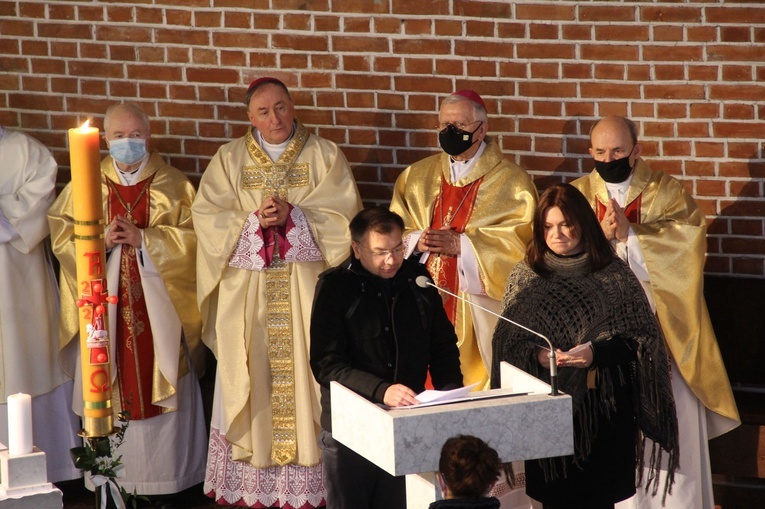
467,213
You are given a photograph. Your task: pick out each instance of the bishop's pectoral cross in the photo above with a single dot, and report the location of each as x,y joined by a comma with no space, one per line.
128,206
447,219
129,215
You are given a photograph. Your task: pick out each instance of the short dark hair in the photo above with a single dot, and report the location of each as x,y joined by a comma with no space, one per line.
469,466
581,220
378,219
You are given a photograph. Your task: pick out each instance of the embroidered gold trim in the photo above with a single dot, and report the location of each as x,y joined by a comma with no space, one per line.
279,175
290,154
279,323
275,178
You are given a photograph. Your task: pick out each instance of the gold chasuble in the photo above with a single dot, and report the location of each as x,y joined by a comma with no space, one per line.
257,322
160,202
492,207
671,231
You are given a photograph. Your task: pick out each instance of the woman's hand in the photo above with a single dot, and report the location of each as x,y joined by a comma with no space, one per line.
543,356
580,356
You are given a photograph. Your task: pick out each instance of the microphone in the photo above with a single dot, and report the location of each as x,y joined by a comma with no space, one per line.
424,282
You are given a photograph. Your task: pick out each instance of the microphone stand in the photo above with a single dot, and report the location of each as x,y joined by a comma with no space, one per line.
423,281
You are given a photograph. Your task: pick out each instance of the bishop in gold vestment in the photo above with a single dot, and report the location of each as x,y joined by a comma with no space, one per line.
272,213
665,248
487,204
155,327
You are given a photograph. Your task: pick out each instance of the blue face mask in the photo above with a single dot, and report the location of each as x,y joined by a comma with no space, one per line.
127,150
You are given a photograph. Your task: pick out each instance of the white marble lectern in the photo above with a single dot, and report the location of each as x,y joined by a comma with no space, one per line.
408,441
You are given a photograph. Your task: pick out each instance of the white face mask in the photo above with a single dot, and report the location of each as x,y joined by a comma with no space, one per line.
127,150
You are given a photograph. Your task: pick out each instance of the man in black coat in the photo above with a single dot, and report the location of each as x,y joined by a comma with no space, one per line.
378,333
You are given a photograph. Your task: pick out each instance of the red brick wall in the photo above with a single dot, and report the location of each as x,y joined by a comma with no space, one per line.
369,75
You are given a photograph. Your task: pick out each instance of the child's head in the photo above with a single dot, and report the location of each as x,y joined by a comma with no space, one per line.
468,467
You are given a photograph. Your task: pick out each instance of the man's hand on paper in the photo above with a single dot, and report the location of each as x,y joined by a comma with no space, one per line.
399,395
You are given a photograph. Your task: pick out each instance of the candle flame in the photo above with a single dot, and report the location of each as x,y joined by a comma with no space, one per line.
86,125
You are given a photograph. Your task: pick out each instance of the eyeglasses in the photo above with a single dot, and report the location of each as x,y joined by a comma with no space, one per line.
396,251
458,125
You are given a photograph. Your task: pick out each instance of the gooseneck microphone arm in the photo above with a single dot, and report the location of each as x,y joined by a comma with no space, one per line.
424,282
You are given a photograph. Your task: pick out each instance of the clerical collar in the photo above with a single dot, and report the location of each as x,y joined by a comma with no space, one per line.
274,151
130,177
460,169
128,172
619,190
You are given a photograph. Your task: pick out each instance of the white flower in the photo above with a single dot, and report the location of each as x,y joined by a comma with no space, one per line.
104,462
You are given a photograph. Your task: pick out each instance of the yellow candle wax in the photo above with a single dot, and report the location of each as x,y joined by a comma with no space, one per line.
87,203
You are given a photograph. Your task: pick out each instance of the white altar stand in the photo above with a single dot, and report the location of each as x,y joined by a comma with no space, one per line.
24,483
408,442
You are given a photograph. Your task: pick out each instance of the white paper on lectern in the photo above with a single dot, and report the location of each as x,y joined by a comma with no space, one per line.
431,396
471,396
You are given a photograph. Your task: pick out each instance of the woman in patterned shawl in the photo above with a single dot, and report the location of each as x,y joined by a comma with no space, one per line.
610,355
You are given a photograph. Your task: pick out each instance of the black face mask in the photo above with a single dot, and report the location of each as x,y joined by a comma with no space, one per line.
615,171
454,140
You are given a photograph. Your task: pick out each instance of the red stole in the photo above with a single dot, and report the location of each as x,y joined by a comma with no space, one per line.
632,210
453,207
134,342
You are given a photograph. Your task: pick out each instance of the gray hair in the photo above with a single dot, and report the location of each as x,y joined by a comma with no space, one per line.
479,112
131,107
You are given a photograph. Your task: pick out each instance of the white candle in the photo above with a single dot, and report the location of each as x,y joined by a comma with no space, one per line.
19,424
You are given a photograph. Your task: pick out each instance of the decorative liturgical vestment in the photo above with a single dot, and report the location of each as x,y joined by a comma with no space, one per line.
255,292
666,252
154,323
492,207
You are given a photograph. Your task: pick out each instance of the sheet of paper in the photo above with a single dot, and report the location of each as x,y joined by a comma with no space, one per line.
432,396
458,396
579,348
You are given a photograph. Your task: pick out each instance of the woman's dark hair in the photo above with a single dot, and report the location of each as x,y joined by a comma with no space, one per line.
469,466
378,219
582,222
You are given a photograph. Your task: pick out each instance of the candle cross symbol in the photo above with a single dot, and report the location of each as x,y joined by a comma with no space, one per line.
98,337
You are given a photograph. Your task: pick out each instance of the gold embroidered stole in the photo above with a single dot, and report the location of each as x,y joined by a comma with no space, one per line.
274,178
